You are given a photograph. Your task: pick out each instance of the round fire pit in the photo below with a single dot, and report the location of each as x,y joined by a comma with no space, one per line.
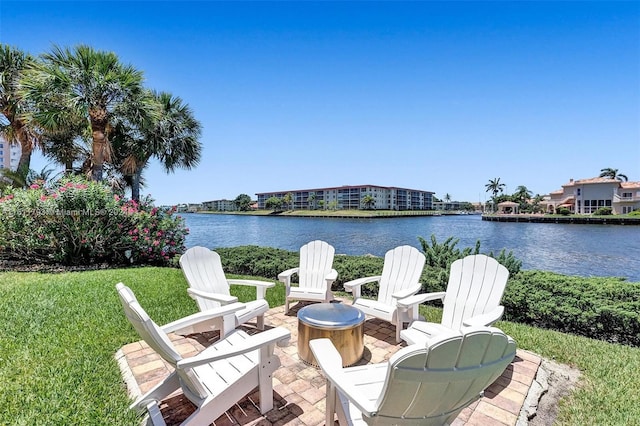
343,324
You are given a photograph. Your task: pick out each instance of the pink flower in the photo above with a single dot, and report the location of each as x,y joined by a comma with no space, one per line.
41,236
43,198
159,233
34,186
54,195
116,197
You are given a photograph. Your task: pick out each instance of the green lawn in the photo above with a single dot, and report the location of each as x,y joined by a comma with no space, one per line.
60,333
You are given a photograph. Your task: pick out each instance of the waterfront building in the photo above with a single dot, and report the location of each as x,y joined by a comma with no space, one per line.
450,205
351,198
220,205
585,196
9,155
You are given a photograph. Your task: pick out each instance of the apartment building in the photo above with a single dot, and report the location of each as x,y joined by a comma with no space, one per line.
351,198
220,205
9,155
585,196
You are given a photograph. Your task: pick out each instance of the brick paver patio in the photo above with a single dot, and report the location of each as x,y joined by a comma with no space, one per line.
299,389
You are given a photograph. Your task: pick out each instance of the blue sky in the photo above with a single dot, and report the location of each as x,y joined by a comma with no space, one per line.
436,96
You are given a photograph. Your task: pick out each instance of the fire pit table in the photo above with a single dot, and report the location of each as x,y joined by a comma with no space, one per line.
343,324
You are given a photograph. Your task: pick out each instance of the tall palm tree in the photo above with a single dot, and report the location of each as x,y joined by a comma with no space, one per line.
368,201
522,194
494,186
87,83
14,128
171,136
613,174
312,200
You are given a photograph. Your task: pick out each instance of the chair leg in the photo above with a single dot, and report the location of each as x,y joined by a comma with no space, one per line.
265,381
330,408
260,322
286,306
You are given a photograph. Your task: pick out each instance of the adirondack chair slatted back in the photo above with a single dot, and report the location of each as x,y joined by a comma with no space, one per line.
436,382
402,269
203,270
156,338
316,262
476,285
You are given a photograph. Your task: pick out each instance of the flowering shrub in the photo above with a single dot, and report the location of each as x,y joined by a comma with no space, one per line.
77,222
157,235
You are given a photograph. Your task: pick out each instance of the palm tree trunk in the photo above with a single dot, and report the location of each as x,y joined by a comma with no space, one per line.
135,184
26,146
99,148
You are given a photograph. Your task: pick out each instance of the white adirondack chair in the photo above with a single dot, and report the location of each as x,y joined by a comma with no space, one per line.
209,286
476,285
315,274
400,279
420,384
216,378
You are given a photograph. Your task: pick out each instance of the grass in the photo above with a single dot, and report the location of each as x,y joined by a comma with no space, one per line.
60,333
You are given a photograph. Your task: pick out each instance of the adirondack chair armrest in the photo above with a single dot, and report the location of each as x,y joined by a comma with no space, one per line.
223,299
326,354
261,286
269,337
424,297
353,286
485,319
330,362
401,294
409,302
202,316
285,276
331,276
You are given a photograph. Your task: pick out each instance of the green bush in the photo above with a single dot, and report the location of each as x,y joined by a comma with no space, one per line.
601,308
76,222
603,211
563,211
635,213
440,256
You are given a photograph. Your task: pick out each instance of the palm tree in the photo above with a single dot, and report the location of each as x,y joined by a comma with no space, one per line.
522,194
87,83
15,129
494,186
172,136
613,174
288,200
447,197
368,201
312,200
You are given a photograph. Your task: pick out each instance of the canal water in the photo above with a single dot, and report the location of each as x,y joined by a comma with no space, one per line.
582,250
